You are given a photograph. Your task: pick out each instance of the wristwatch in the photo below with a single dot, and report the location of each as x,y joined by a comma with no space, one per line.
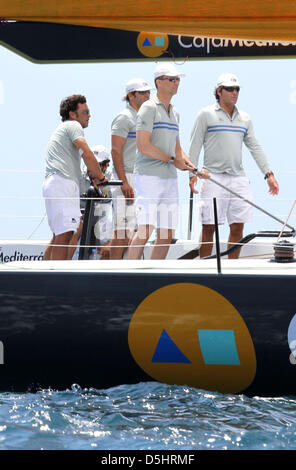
268,174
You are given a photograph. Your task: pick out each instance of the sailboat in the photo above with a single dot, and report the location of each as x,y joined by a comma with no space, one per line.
216,324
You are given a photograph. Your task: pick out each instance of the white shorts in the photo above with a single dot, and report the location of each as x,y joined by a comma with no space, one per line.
62,205
103,228
157,201
124,214
228,205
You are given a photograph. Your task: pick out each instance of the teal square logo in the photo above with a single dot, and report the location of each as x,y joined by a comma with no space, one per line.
218,347
159,41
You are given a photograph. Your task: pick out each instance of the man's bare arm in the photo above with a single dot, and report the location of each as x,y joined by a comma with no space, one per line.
147,148
90,160
117,143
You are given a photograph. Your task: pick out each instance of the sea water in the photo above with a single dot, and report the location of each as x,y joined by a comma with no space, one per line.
145,416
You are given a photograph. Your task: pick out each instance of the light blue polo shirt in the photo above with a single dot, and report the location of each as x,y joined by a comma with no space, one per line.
164,128
124,125
222,136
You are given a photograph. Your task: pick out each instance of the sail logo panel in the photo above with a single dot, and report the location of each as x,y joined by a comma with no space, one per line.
56,42
152,44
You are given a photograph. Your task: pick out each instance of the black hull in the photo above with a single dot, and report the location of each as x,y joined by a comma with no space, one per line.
60,328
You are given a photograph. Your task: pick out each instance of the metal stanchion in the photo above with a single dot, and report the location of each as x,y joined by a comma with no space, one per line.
87,225
217,237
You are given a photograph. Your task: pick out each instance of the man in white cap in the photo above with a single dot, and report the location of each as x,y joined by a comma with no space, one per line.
123,142
159,154
103,158
221,129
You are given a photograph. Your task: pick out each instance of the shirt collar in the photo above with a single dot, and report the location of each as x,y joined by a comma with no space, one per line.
157,101
130,108
218,108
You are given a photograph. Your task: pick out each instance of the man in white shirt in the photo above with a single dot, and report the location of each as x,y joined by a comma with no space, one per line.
123,141
221,129
159,153
65,149
102,217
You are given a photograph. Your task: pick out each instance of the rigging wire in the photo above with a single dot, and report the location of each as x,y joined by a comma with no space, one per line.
291,210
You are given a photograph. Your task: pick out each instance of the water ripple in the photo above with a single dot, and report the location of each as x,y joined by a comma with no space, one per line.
148,416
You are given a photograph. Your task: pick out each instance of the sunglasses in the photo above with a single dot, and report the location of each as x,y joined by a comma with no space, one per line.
83,111
231,89
143,92
173,79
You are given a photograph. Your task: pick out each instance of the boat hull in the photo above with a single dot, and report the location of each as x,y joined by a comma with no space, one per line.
92,328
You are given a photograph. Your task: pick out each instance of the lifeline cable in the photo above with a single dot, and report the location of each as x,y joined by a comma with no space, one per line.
196,172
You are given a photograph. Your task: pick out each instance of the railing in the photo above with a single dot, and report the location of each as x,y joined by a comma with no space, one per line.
192,253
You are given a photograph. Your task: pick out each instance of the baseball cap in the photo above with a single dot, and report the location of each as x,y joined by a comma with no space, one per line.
227,79
101,153
137,84
167,69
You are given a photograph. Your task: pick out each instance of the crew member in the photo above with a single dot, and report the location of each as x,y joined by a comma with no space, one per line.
102,217
221,129
123,141
62,175
159,154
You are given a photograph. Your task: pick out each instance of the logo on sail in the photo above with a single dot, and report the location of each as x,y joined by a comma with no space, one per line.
152,44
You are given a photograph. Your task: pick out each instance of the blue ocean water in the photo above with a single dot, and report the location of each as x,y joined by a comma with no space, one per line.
148,416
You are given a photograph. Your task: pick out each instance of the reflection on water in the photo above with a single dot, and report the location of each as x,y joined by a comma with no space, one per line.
145,416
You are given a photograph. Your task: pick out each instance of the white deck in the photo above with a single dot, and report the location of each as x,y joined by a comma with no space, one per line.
32,250
246,267
256,258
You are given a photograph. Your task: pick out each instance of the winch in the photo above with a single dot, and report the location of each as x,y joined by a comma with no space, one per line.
283,252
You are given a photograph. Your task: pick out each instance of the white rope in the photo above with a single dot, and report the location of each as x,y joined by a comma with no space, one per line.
151,244
185,198
13,170
286,221
21,171
36,228
10,216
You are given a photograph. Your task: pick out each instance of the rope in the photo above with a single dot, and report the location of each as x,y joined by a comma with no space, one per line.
286,220
43,218
9,216
185,198
12,170
46,243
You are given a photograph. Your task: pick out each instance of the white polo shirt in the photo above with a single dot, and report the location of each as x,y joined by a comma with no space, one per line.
222,136
164,128
62,157
124,125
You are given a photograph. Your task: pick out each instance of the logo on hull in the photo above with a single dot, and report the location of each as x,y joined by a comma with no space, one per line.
190,334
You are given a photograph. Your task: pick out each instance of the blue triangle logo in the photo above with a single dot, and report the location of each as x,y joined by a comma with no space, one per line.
146,42
167,351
